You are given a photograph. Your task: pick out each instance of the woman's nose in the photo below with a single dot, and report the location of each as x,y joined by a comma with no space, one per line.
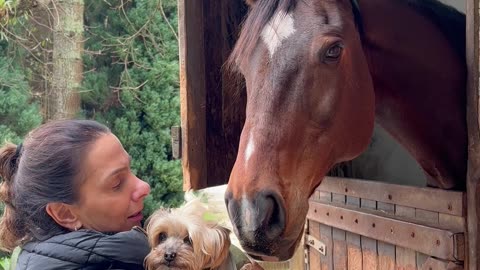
142,189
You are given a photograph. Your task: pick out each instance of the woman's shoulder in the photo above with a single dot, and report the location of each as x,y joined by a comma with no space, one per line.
85,247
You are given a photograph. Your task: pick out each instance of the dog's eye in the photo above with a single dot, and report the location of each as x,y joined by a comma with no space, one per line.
162,237
187,240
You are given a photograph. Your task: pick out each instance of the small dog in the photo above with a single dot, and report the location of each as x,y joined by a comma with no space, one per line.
183,238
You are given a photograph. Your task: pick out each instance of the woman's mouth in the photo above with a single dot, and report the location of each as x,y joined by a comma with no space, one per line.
136,217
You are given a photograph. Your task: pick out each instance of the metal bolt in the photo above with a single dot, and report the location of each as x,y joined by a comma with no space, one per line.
373,225
389,197
356,221
328,214
346,189
413,234
314,210
438,242
341,217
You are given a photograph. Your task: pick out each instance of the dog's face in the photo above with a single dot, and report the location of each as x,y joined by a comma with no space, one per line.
181,239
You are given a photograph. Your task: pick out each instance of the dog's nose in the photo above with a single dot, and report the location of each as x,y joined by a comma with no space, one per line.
170,256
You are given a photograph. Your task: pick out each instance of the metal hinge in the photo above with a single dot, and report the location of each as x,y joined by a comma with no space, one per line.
315,244
176,136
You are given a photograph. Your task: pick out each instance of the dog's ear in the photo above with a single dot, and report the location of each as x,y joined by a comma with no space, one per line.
214,243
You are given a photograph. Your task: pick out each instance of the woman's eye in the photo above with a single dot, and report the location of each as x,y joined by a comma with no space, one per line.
187,240
333,53
118,184
162,237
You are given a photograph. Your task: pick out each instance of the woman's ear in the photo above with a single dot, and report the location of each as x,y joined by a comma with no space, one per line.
63,215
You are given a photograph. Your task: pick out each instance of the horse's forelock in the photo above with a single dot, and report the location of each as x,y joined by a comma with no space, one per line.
259,15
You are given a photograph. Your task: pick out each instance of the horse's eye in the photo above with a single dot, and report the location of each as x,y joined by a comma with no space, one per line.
187,240
162,237
333,53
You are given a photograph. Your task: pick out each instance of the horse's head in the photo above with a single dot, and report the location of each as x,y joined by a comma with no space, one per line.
310,104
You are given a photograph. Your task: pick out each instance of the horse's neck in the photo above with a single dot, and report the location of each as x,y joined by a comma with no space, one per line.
419,85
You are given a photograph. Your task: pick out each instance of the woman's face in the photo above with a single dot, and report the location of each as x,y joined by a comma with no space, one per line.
111,196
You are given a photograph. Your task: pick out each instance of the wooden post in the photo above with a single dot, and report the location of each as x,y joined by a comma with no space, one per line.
212,104
473,173
192,92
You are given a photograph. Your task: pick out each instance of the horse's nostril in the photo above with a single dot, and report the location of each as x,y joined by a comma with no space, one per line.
274,216
257,222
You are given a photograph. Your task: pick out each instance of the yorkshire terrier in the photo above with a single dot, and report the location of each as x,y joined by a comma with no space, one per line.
185,239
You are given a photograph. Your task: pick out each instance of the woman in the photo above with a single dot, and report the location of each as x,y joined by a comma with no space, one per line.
72,201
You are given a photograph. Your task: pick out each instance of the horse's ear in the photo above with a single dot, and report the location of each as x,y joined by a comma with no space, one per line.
250,3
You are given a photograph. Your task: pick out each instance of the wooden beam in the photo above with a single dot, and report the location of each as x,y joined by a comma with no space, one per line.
473,171
192,93
442,201
432,241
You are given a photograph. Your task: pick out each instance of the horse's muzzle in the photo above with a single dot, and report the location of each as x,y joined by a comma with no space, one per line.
259,222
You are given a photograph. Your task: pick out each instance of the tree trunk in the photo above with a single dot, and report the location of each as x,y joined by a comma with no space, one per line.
63,98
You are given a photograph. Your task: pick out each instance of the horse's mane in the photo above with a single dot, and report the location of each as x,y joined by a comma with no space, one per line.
450,21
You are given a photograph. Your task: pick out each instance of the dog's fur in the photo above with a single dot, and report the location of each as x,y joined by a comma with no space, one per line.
182,239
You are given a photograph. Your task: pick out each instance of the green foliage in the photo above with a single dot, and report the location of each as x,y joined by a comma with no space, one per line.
5,263
18,113
133,86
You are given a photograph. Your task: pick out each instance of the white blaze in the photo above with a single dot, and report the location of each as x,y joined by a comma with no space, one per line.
277,29
250,148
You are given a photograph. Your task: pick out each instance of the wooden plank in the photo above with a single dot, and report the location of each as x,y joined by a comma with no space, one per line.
473,170
453,223
427,216
442,201
326,261
405,257
326,237
192,93
314,255
404,211
454,266
421,259
212,108
386,257
339,249
425,262
429,240
434,264
369,245
225,102
386,251
339,237
354,250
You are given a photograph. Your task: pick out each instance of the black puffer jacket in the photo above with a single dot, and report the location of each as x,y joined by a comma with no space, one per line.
86,250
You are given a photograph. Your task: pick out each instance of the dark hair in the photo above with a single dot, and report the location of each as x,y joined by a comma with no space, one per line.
45,168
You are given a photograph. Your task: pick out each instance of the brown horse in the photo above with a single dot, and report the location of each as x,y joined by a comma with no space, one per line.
318,72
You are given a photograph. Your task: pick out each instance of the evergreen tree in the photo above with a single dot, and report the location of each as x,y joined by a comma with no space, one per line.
132,85
18,113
